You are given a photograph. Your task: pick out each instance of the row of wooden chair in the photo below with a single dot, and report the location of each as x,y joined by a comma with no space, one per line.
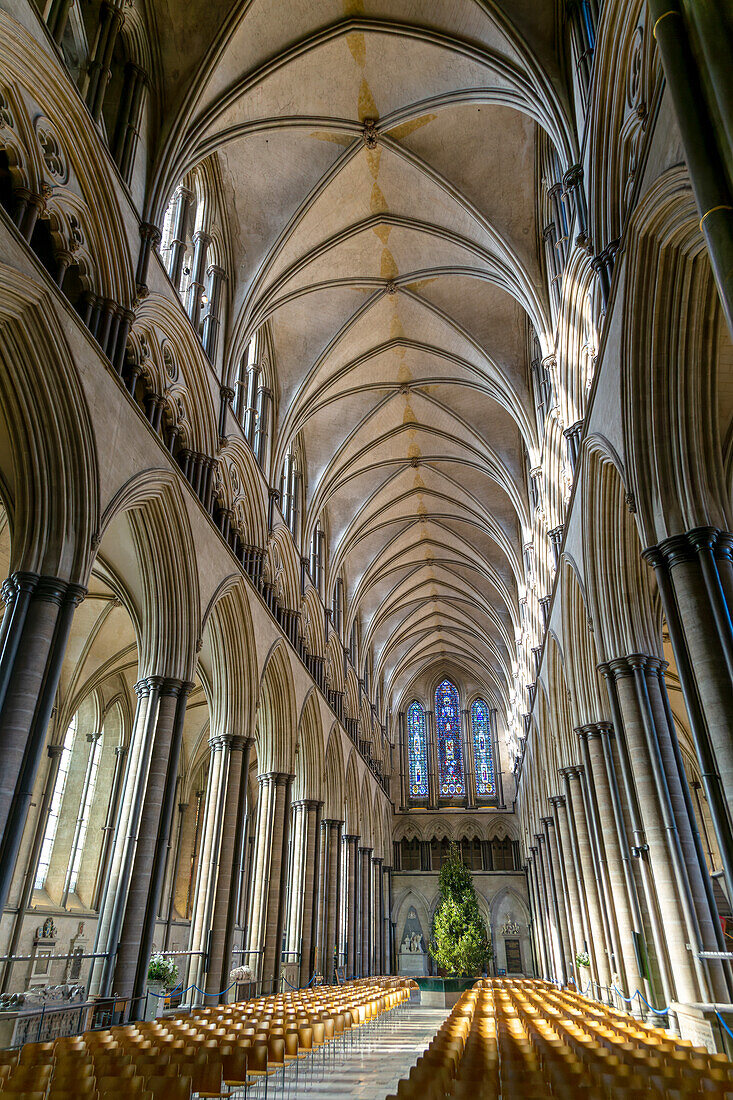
205,1053
528,1039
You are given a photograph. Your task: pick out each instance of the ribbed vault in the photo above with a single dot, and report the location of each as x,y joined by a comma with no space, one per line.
378,166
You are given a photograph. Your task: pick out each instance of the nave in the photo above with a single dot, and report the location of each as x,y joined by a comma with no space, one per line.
503,1039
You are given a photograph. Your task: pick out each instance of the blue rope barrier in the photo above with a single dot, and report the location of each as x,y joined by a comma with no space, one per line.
628,1000
723,1024
656,1011
189,988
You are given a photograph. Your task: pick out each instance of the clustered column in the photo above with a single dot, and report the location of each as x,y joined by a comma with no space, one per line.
33,635
351,844
365,912
267,907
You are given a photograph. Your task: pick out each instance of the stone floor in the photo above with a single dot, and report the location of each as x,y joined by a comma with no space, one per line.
367,1069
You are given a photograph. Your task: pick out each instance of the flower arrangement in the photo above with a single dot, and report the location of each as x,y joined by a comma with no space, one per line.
582,959
163,970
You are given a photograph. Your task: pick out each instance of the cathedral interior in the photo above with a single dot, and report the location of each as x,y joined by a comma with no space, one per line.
366,498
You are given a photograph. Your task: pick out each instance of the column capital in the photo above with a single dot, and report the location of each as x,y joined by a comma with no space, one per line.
573,772
327,822
548,821
182,807
533,849
307,803
598,729
55,750
150,232
277,779
366,851
202,236
121,750
351,838
557,799
378,860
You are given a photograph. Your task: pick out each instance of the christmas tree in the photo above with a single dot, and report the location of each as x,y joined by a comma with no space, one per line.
460,943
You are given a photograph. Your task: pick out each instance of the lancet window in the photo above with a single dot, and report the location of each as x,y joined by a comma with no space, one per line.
482,750
417,751
448,727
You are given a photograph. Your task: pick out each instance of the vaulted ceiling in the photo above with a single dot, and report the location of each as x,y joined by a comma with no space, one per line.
378,167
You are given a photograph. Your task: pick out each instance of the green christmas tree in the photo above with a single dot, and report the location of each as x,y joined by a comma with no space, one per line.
460,943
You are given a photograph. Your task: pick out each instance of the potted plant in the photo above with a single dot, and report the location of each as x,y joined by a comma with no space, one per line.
162,977
582,961
460,943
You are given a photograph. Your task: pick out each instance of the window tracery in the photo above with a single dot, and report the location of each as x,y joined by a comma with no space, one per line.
482,752
417,751
448,726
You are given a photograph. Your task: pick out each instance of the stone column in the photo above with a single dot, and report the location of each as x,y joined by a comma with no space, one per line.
267,911
579,825
212,320
228,884
218,826
178,235
576,924
547,926
469,764
352,863
365,911
696,593
111,18
389,959
610,932
632,687
330,868
699,130
310,880
334,894
377,916
54,756
298,823
194,294
172,871
33,636
124,142
622,892
433,785
57,18
144,849
539,914
557,878
552,903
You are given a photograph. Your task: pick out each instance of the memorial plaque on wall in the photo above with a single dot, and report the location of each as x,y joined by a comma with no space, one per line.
513,957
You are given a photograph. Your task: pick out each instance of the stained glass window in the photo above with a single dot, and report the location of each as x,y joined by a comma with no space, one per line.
482,755
418,751
448,725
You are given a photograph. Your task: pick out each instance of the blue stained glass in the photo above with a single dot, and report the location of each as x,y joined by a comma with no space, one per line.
418,751
448,725
482,755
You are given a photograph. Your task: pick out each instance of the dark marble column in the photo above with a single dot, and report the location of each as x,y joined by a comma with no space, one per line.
377,916
111,18
311,880
148,859
365,911
233,827
352,877
33,636
695,579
